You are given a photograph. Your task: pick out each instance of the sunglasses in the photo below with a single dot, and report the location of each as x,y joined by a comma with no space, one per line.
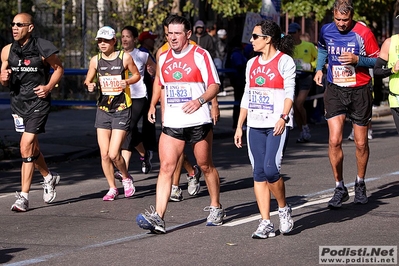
256,36
19,25
103,40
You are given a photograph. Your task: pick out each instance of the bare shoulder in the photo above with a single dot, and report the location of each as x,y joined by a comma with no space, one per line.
5,52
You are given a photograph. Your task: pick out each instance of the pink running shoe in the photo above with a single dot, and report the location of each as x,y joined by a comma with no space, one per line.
128,186
111,195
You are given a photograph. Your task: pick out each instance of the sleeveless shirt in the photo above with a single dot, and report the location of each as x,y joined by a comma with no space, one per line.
393,56
113,103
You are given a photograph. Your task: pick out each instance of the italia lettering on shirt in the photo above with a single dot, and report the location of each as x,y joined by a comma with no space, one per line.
181,69
177,65
266,75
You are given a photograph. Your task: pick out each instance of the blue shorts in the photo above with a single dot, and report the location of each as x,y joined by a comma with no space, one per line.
266,153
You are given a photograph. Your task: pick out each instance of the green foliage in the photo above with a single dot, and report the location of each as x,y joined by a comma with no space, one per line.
365,10
231,8
188,8
144,17
8,9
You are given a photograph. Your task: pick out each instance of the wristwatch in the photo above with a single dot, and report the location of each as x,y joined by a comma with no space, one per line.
285,117
201,101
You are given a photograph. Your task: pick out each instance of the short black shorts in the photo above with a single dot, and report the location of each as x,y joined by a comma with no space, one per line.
355,102
189,134
303,83
35,123
114,120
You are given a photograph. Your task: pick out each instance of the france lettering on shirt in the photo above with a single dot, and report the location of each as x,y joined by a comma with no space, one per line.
359,40
339,50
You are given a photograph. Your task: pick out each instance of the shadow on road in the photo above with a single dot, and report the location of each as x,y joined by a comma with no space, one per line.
347,212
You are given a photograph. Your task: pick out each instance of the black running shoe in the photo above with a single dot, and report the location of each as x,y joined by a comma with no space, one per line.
360,193
340,195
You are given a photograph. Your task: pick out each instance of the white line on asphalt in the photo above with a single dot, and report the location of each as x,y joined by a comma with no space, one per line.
309,203
258,217
143,235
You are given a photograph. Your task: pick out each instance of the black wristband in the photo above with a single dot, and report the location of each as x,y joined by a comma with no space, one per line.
380,68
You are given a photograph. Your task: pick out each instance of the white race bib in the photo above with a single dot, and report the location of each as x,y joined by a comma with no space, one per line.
178,93
344,76
19,123
110,85
261,100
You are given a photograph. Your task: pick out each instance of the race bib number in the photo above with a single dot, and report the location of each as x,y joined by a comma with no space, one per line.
110,85
261,100
344,76
177,94
19,123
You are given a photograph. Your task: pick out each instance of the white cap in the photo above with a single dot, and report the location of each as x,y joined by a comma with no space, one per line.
106,32
221,33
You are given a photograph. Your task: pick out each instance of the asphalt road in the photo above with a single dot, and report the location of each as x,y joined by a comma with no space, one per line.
80,229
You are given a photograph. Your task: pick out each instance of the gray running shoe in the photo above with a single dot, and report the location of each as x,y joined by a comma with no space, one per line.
286,222
118,175
340,195
193,181
306,134
360,193
49,192
176,194
151,221
21,204
301,139
265,230
215,216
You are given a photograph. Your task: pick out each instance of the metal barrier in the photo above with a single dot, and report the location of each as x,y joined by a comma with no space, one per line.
82,72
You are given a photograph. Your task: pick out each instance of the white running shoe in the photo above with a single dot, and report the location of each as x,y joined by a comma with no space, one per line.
21,204
286,222
370,134
351,135
193,181
176,194
264,230
49,192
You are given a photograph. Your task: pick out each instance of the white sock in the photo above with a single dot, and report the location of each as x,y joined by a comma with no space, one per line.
359,179
48,177
25,195
173,186
283,208
266,220
339,184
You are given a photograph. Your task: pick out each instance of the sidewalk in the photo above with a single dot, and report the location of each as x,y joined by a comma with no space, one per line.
70,133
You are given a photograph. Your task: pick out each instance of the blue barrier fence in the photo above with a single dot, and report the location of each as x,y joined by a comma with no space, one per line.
82,72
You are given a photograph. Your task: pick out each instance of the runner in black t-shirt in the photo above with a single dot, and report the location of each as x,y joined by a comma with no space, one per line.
25,70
